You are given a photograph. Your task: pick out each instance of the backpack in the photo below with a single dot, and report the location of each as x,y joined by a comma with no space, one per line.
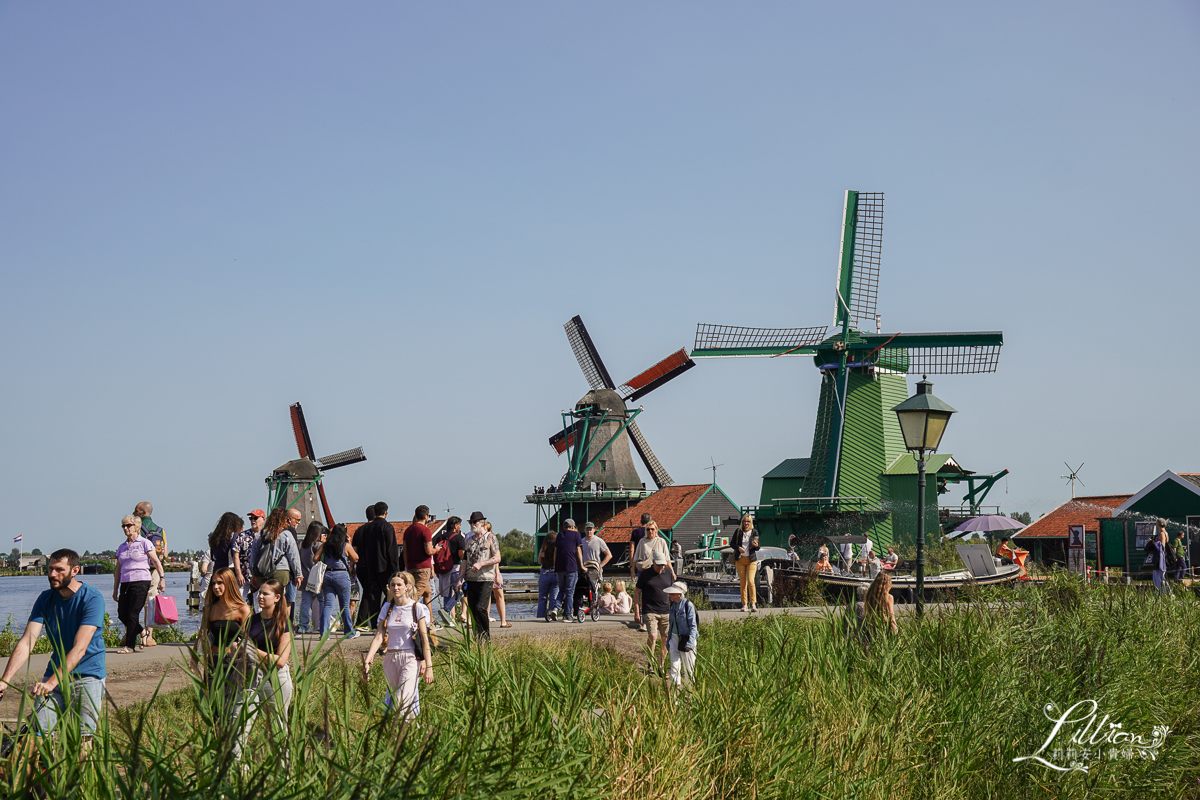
443,560
264,565
158,538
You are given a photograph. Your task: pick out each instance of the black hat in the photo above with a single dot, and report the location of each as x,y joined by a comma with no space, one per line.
477,516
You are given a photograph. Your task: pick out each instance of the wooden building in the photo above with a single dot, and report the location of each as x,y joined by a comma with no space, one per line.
684,514
1172,496
1046,538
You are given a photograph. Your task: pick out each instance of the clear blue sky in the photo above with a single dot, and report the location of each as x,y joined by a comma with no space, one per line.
387,212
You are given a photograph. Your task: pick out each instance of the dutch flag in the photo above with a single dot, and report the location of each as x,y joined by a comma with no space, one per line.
16,538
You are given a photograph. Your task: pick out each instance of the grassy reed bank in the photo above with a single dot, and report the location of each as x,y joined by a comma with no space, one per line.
782,708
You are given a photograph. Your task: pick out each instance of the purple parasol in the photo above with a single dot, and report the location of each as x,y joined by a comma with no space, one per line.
990,522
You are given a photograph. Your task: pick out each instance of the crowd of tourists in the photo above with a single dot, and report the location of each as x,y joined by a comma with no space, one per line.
264,583
659,602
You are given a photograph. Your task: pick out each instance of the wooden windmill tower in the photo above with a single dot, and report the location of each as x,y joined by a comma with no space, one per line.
598,432
299,482
856,439
596,436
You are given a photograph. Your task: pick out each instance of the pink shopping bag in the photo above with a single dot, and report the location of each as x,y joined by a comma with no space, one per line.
164,610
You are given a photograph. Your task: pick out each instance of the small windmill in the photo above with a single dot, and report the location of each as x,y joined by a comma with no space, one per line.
598,432
1072,476
294,484
862,372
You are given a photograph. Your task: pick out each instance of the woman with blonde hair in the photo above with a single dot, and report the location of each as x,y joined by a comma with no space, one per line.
624,601
405,624
879,607
138,564
745,558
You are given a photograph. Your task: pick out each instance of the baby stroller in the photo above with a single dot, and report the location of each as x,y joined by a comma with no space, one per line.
587,592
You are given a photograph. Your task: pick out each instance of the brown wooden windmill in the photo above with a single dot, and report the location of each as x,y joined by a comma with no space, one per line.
300,483
597,433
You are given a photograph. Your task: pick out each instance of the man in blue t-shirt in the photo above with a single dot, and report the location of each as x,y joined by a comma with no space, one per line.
73,616
568,555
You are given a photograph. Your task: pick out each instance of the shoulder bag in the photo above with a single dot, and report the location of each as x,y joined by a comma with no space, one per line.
316,578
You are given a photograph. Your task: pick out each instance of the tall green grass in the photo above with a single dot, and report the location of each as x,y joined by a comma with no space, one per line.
781,708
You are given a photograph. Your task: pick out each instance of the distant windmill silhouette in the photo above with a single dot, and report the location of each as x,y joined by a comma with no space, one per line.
1073,476
714,468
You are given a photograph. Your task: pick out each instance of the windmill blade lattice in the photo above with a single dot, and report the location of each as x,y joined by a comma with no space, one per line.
935,353
735,341
657,471
868,249
585,353
941,360
342,459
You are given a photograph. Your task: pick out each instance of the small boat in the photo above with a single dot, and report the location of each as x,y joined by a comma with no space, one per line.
981,569
718,581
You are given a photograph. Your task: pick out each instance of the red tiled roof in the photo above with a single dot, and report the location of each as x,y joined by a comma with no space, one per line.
667,506
434,526
1080,511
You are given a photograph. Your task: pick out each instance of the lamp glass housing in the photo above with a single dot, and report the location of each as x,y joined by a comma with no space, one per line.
923,418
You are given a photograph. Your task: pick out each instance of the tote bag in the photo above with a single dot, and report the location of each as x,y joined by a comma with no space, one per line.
316,577
164,610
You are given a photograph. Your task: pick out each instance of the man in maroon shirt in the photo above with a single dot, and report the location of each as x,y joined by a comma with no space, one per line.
418,552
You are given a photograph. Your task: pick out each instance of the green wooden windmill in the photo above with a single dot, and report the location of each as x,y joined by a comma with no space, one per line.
856,440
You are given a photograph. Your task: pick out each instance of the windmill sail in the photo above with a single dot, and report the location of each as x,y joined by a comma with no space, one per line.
585,353
731,341
959,353
305,448
341,459
657,472
668,369
300,429
862,243
565,438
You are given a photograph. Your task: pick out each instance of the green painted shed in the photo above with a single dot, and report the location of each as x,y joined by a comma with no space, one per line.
785,481
1172,496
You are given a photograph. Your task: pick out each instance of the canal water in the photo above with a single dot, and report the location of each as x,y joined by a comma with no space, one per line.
18,593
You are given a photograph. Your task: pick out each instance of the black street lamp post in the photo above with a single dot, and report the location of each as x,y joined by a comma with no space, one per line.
923,419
